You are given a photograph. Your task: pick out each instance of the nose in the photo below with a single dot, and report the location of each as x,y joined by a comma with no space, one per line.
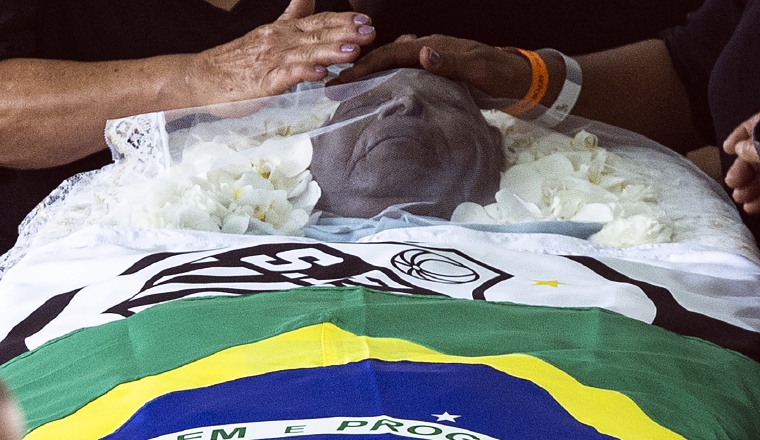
402,106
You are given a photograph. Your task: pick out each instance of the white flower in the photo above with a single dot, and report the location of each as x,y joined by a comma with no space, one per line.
556,177
633,231
266,189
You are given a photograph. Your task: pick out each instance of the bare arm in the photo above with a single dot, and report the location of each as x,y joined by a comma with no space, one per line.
634,87
64,104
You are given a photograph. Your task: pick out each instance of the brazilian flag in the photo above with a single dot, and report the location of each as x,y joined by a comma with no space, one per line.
349,362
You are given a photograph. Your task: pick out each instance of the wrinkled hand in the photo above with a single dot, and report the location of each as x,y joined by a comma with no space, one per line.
744,174
274,57
493,71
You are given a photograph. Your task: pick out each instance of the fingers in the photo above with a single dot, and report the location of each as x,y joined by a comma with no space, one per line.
285,76
747,194
752,207
487,68
274,57
430,59
746,151
326,38
741,133
741,174
298,9
321,54
744,178
748,197
405,38
454,66
310,28
406,51
349,20
344,32
394,55
321,39
496,73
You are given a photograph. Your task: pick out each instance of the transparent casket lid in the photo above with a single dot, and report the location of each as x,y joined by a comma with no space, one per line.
402,148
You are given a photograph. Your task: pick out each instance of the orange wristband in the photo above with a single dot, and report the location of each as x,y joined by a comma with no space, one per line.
538,86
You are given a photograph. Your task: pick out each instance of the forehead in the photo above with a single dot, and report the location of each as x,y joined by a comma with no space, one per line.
421,84
435,93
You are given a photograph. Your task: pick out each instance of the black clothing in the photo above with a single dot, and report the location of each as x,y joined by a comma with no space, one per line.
716,55
99,30
102,30
573,27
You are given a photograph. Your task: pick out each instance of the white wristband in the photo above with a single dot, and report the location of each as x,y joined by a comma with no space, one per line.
567,96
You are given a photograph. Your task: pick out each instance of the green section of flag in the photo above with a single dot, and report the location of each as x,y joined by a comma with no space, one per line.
688,385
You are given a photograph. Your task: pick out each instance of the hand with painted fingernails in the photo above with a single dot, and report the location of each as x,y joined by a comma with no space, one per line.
270,59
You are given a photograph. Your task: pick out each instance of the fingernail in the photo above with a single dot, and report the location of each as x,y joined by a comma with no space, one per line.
320,69
361,19
366,30
435,57
348,48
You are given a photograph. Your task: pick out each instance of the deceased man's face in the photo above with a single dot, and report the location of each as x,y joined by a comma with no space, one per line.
422,139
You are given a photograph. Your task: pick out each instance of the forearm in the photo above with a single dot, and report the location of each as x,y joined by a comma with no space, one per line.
637,88
54,112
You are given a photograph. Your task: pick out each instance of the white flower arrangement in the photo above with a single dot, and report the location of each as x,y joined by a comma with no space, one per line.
239,175
551,176
251,176
265,189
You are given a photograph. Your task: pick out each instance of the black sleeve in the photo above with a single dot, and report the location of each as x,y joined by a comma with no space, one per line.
571,26
695,48
17,37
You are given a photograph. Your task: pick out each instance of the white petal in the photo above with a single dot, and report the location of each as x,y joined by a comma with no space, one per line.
196,218
254,180
584,140
293,152
524,181
556,164
594,212
633,231
297,219
469,212
593,193
514,209
308,198
235,224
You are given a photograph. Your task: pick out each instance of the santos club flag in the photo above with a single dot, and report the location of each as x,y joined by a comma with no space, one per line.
317,363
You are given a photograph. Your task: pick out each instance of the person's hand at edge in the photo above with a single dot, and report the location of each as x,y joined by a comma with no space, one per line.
11,419
744,174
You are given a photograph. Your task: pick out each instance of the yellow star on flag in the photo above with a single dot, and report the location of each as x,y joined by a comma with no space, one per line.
553,283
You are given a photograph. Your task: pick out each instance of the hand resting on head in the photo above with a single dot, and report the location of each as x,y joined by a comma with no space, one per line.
417,137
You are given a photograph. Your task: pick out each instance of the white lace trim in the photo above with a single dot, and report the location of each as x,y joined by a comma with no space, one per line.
138,145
